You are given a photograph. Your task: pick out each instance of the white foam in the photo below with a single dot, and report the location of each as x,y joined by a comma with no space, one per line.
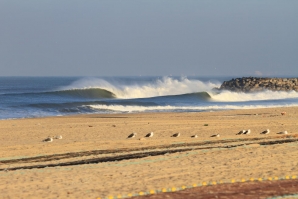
160,87
228,96
129,109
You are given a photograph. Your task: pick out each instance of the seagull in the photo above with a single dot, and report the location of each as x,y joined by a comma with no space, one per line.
266,132
59,137
49,139
216,135
247,132
132,135
194,136
149,135
283,132
241,132
176,135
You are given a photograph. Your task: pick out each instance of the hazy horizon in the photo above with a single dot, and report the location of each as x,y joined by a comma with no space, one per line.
149,38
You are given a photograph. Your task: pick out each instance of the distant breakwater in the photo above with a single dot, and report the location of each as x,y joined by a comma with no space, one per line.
253,84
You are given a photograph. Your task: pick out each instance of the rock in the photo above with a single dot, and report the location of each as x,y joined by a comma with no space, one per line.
254,84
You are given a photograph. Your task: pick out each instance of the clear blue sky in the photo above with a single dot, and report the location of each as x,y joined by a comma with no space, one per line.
152,37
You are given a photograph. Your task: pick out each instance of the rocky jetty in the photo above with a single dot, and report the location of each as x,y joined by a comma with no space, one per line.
253,84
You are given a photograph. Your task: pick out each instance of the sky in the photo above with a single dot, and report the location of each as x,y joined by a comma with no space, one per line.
148,37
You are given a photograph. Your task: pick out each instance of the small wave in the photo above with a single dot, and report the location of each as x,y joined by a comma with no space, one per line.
87,103
229,96
129,109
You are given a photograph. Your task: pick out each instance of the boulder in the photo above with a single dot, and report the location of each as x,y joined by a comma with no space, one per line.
253,84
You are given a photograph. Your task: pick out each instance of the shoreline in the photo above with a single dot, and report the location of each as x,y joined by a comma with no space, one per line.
95,158
145,112
37,129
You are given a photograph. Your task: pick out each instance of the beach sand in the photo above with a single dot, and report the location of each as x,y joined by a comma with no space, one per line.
96,160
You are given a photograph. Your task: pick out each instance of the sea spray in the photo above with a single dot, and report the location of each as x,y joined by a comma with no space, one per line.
229,96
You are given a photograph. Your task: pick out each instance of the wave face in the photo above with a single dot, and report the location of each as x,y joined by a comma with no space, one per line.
86,93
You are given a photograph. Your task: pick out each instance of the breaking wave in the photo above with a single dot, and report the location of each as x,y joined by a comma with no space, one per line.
160,87
178,88
168,86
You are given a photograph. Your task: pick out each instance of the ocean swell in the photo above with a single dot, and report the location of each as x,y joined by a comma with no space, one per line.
169,108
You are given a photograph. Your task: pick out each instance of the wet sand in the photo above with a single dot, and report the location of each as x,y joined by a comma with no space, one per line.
95,158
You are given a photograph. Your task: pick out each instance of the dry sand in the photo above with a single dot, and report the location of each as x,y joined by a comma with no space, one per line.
123,166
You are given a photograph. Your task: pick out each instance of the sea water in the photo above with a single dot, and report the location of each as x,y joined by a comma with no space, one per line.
25,97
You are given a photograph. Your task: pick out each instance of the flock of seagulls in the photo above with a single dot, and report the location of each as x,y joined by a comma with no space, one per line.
242,132
51,138
174,135
149,135
267,131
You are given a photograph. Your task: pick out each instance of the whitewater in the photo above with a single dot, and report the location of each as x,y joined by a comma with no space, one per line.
25,97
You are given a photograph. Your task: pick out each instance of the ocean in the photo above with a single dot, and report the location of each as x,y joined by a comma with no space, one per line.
28,97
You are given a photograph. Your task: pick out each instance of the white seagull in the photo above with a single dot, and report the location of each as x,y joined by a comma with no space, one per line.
267,131
176,135
241,132
49,139
59,137
283,132
149,135
215,135
194,136
132,135
247,132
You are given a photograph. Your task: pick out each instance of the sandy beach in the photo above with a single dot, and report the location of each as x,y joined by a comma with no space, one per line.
94,159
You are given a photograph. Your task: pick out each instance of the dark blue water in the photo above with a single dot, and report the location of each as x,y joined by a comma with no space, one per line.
23,97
